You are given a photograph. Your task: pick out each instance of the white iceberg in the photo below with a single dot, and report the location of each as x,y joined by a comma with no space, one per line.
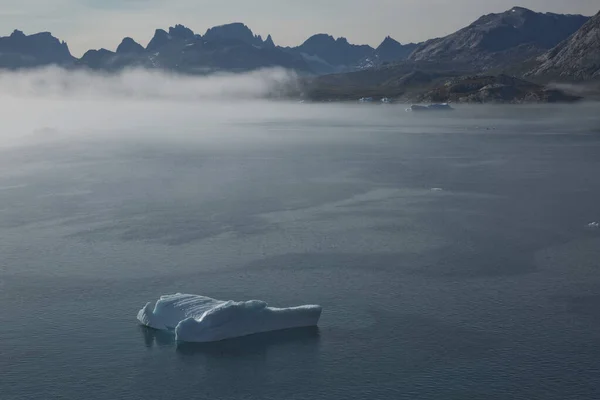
201,319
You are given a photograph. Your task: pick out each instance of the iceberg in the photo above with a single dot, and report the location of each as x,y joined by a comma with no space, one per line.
201,319
431,107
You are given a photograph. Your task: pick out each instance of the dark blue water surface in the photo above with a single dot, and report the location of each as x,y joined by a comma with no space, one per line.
489,288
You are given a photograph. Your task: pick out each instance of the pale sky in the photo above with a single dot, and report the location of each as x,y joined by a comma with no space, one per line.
86,24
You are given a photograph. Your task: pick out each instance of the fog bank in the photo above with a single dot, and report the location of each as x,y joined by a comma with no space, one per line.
143,84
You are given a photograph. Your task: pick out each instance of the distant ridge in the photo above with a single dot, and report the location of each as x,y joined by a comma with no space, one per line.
493,42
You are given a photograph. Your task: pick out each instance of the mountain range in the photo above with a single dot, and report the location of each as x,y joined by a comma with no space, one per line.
230,47
540,46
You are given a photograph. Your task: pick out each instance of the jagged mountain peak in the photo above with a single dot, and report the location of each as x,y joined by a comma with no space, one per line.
128,45
319,38
17,33
389,40
181,32
234,31
160,38
269,41
328,54
389,51
37,49
388,43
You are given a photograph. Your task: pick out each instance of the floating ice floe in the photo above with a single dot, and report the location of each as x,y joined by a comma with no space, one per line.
437,189
196,318
594,225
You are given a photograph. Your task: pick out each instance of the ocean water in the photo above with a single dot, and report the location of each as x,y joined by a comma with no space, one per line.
487,288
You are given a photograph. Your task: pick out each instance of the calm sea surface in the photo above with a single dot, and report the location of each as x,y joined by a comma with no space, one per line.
486,289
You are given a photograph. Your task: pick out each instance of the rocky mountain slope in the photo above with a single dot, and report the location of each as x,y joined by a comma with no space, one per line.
429,82
501,39
393,81
575,59
493,89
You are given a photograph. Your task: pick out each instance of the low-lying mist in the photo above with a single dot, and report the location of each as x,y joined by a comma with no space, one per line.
52,103
144,84
55,106
588,90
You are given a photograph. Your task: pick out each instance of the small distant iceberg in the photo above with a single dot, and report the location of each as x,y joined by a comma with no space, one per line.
594,225
431,107
200,319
